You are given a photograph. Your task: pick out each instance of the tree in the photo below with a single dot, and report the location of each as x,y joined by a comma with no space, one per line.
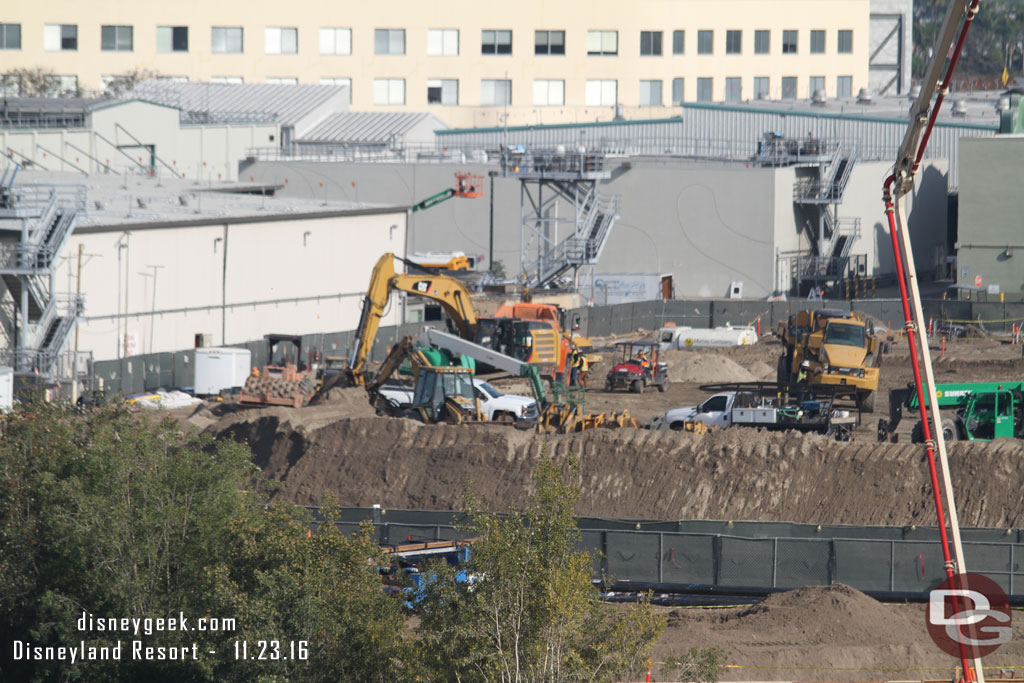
525,608
122,83
119,515
37,82
498,270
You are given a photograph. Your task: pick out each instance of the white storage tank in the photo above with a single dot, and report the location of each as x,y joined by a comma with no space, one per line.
6,389
217,369
682,337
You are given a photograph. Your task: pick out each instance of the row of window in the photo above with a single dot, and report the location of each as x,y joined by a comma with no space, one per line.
602,93
440,42
546,92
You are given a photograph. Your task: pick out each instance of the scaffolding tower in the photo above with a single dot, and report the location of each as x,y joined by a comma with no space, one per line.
552,242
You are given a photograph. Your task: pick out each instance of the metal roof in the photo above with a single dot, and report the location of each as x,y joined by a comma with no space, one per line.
221,102
366,127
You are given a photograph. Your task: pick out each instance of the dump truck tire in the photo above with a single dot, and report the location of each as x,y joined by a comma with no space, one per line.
866,401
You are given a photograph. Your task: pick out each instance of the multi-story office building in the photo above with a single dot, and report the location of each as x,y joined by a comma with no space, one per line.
469,63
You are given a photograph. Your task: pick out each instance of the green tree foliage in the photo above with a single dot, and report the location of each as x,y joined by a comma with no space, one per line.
699,665
996,38
120,516
528,610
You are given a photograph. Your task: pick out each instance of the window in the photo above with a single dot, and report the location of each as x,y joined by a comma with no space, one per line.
282,41
10,36
789,87
789,42
389,41
227,80
817,42
816,83
762,42
282,80
495,93
704,89
678,42
762,87
844,86
733,42
602,42
227,40
173,79
172,38
844,334
334,80
733,89
705,42
650,93
335,41
496,43
845,42
443,42
677,91
444,92
60,37
549,42
650,43
549,93
389,91
116,38
602,93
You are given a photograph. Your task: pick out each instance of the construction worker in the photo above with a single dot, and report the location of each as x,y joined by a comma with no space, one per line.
645,365
574,366
805,367
255,372
584,370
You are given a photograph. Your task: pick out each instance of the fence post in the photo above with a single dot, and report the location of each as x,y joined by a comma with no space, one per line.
775,560
892,565
661,557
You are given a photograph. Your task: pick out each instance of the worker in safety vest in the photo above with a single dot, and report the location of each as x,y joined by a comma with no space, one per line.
574,366
255,372
645,364
805,367
584,370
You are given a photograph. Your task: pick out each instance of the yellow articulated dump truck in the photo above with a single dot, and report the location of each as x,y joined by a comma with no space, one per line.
829,347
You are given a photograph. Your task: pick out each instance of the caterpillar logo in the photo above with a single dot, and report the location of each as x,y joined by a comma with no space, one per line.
423,286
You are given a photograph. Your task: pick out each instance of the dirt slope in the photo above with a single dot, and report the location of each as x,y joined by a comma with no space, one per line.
820,633
732,474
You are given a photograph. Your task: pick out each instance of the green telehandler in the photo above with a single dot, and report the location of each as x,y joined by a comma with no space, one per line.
976,411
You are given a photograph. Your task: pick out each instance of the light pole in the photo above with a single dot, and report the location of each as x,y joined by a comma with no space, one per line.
152,310
122,244
490,252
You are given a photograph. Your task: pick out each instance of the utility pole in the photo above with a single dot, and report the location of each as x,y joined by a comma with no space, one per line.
490,253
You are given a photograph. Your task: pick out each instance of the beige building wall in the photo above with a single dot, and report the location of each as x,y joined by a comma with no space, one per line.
469,67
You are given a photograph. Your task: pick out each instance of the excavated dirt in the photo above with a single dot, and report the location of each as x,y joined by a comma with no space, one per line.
731,474
813,634
821,633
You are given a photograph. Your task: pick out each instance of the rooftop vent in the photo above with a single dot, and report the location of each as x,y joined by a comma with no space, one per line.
959,108
818,98
863,96
763,95
1003,104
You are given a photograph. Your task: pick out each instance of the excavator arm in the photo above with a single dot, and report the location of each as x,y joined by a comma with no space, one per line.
449,292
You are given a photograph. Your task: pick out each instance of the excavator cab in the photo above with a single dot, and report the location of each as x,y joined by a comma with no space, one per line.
445,394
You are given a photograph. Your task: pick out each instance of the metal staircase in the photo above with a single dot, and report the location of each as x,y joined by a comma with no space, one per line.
45,320
552,179
818,197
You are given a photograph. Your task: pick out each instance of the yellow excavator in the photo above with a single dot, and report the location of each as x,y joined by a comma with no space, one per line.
449,292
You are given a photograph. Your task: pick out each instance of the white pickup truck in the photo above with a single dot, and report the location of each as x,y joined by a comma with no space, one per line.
496,406
746,409
716,411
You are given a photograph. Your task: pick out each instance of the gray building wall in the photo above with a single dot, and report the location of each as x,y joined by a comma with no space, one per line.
891,46
991,212
705,223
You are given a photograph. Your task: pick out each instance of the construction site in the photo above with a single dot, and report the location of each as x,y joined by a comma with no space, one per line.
714,314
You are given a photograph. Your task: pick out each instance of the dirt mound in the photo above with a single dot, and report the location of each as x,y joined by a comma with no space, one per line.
349,402
704,368
830,633
733,474
761,371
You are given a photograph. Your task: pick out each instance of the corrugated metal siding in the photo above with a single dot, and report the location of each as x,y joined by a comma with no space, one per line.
286,104
365,127
725,132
